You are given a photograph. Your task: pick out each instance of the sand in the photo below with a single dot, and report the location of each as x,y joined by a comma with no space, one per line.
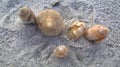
24,45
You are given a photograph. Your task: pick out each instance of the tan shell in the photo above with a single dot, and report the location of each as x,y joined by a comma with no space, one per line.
27,15
75,30
60,51
97,33
50,22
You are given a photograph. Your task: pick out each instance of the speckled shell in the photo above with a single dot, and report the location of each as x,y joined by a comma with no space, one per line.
26,15
97,33
75,30
50,22
60,51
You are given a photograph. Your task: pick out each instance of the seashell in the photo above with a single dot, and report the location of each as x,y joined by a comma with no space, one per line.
96,33
50,22
75,30
60,51
55,3
26,15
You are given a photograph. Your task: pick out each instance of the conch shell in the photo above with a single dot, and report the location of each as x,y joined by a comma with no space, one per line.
50,22
26,15
97,33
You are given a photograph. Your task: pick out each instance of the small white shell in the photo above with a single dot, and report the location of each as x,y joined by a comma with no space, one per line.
75,30
60,51
97,33
26,15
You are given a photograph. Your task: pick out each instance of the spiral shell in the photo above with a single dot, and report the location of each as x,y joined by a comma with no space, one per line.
75,30
60,51
50,22
26,15
97,33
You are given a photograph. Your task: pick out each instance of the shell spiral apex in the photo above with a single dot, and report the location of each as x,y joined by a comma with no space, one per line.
24,11
50,22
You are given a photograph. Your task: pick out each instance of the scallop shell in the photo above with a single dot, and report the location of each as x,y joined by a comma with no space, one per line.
26,15
75,30
60,51
97,33
50,22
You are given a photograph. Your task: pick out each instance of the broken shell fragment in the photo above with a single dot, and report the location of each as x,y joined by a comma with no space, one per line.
97,33
26,15
60,51
75,30
50,22
55,3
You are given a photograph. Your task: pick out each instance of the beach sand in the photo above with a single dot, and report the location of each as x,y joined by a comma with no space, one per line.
24,45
